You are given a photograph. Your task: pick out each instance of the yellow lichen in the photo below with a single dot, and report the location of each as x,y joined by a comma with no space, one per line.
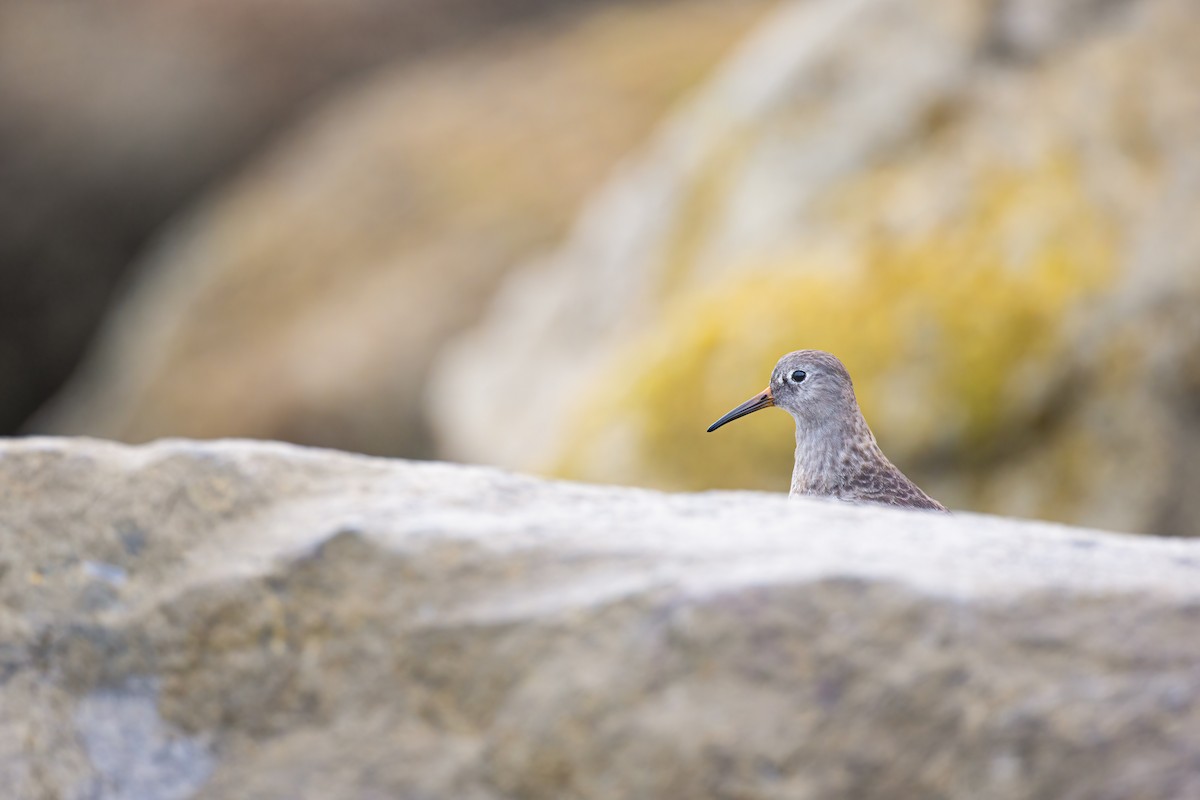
952,332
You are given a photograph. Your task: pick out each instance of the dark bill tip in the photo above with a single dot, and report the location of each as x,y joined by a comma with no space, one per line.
759,401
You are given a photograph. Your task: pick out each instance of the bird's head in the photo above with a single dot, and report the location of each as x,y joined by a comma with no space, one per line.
811,385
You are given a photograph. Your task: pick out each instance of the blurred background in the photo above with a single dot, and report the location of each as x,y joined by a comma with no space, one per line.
564,236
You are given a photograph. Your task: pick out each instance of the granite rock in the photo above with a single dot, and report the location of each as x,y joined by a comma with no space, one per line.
250,620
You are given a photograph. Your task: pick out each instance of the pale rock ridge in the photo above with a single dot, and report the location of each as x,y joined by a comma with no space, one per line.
250,620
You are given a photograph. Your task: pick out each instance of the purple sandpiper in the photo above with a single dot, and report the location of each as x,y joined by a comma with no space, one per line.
836,453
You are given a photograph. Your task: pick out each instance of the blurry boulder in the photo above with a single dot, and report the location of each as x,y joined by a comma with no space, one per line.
115,115
986,209
247,621
305,301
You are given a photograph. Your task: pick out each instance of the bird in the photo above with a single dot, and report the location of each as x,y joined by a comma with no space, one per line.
836,452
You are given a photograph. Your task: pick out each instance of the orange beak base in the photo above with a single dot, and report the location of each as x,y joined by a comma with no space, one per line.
759,401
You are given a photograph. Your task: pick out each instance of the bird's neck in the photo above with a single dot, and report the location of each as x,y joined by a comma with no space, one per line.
829,452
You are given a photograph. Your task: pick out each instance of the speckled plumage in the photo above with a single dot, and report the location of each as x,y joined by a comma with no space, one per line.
836,453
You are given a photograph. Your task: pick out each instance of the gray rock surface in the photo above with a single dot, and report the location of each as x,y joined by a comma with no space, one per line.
250,620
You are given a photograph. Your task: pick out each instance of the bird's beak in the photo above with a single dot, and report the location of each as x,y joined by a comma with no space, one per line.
763,400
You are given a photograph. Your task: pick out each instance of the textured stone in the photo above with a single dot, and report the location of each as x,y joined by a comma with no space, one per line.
982,208
279,622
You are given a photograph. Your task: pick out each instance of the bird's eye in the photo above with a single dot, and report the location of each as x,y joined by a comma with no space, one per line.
798,376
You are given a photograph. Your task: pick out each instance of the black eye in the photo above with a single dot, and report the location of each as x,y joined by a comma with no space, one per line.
798,376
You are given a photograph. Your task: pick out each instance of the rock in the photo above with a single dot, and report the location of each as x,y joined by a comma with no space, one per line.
983,208
305,302
115,116
278,622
